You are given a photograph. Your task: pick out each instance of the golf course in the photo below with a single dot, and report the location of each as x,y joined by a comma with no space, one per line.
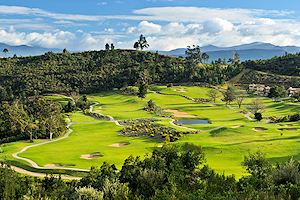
225,141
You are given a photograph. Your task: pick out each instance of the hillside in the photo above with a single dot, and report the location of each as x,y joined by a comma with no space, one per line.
95,71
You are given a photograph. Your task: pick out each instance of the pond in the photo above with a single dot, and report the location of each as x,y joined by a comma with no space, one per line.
192,121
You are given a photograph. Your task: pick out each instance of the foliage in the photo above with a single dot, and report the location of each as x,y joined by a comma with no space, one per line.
258,116
95,71
228,95
213,94
96,115
141,43
147,127
256,106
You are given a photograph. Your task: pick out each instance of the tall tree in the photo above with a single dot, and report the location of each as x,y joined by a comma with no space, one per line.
106,46
240,97
143,82
193,54
5,51
141,43
229,95
205,57
213,94
256,106
112,47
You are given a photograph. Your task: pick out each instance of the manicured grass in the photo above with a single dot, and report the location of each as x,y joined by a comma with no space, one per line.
224,148
90,138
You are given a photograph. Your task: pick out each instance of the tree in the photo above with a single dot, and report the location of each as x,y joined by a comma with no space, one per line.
112,47
296,95
30,128
240,97
258,116
213,94
229,95
65,51
143,82
136,45
141,43
193,54
274,93
259,167
256,106
5,51
106,46
205,57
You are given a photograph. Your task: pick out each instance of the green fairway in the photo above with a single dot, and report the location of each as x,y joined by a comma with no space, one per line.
224,148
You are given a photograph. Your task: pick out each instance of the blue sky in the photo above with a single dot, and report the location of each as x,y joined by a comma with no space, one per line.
167,24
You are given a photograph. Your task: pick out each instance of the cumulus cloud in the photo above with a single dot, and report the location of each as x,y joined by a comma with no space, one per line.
216,25
145,27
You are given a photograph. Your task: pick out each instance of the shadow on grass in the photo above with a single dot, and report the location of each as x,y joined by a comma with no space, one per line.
47,171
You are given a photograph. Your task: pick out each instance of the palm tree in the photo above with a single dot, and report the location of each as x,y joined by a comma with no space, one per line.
5,51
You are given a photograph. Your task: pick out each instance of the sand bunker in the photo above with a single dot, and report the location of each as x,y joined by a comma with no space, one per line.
259,129
91,156
291,129
179,114
99,110
237,126
58,165
89,97
289,125
160,146
119,144
279,125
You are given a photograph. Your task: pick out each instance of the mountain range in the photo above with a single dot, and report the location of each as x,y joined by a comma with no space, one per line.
253,51
24,50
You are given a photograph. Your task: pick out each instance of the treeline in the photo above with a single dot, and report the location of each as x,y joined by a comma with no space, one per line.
283,65
95,71
30,119
170,172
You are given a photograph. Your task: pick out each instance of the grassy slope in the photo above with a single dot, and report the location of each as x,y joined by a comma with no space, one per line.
224,148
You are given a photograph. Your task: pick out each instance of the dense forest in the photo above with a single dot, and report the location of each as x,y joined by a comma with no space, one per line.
95,71
282,65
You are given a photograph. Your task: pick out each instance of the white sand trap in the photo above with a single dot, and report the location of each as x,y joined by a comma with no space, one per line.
119,144
160,146
291,129
91,156
279,125
180,114
237,126
289,125
89,97
99,110
58,165
259,129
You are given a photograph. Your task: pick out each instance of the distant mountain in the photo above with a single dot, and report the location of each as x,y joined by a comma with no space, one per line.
24,50
253,51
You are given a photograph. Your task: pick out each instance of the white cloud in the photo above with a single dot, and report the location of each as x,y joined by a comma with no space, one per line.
102,3
110,30
145,27
216,25
79,31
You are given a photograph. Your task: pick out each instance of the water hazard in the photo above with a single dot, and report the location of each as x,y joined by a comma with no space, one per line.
192,121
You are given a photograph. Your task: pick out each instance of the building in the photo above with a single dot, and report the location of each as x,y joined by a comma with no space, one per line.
259,89
292,91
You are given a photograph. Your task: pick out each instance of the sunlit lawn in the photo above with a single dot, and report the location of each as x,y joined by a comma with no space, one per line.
224,148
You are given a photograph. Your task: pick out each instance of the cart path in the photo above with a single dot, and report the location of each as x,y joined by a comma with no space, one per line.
15,155
23,171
